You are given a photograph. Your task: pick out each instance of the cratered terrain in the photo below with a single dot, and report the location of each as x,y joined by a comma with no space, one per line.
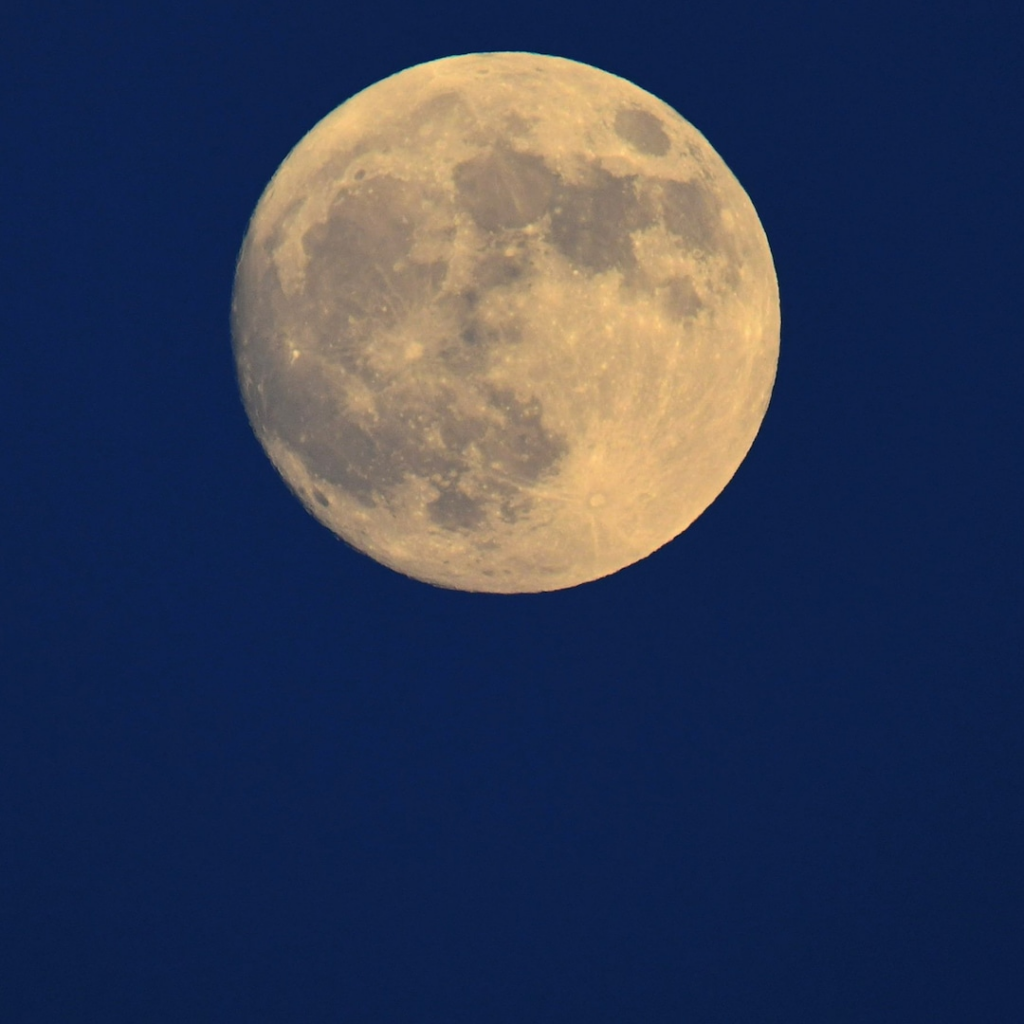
505,322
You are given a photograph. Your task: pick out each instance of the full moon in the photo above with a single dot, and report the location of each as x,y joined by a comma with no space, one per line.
505,322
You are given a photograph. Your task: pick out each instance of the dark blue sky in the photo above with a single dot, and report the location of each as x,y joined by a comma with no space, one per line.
774,773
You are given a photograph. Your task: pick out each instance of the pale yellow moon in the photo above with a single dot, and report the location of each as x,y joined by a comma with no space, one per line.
505,322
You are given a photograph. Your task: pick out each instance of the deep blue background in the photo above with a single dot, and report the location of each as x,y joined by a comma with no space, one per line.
773,773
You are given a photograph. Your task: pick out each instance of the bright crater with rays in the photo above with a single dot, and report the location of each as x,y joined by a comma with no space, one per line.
505,322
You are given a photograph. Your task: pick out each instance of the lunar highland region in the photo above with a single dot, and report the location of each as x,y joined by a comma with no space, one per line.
505,322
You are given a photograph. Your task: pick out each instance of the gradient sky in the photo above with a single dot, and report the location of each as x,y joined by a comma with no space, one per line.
773,773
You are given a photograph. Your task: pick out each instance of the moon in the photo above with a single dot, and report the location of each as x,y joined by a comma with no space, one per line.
505,322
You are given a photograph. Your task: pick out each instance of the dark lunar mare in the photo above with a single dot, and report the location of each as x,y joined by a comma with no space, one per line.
503,188
642,130
361,281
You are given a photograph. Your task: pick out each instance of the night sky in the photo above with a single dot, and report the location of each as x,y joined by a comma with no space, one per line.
772,773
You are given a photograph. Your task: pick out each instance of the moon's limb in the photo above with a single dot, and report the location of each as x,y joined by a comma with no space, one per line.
505,322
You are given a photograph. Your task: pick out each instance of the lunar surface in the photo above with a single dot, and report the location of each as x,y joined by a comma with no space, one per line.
505,322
